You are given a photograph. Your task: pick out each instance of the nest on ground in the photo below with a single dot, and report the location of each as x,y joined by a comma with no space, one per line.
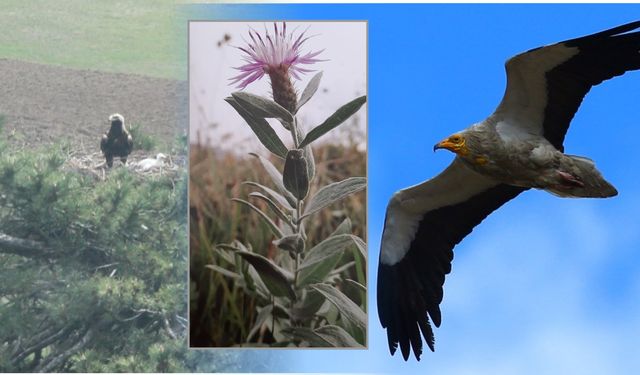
138,162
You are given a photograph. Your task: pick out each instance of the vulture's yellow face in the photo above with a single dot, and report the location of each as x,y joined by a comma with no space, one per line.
465,145
454,143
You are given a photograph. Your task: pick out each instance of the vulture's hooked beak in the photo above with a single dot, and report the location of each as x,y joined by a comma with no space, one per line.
454,143
444,144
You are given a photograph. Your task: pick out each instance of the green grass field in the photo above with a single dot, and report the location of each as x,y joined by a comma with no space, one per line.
145,37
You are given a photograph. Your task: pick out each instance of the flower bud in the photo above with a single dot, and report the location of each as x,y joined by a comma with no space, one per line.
283,91
293,243
296,176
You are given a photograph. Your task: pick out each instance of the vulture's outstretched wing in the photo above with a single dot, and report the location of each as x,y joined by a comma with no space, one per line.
422,225
546,85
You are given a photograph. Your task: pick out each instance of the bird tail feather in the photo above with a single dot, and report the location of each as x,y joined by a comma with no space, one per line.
579,178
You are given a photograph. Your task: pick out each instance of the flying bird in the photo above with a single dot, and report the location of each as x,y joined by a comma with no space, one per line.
117,141
518,147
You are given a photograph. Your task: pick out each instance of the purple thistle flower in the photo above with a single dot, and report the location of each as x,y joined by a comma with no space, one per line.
279,55
272,53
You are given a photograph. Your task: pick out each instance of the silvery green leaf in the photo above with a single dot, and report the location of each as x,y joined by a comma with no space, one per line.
330,312
361,246
356,332
309,305
282,201
254,282
303,230
337,336
348,309
274,207
262,130
276,330
334,120
286,259
307,335
263,314
344,227
311,89
223,271
311,162
308,153
219,249
232,246
333,193
274,228
295,175
276,177
337,271
354,290
279,311
356,285
262,107
322,259
293,243
248,277
277,280
241,246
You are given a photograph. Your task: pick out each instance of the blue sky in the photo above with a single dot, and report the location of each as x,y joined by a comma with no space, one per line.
544,285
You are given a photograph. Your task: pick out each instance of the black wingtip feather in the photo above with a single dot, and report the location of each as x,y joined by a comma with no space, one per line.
392,341
427,333
410,291
600,57
405,346
604,34
416,340
435,314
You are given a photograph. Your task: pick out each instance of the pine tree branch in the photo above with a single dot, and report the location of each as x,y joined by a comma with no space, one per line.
25,248
35,362
41,344
167,327
59,359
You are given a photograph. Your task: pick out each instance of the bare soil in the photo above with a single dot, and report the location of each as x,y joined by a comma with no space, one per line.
44,104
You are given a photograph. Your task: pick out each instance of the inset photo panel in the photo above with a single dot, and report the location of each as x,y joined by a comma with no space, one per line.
277,187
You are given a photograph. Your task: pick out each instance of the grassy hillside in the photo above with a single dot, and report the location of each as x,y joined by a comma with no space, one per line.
126,36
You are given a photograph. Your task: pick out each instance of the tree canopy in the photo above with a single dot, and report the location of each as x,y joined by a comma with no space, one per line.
94,270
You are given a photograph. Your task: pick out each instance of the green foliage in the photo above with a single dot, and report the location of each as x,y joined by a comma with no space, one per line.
141,140
296,297
342,114
222,311
92,273
310,90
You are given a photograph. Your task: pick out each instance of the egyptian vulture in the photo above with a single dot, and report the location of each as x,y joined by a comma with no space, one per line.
117,141
518,147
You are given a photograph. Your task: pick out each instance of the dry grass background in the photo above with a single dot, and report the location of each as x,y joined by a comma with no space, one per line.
220,313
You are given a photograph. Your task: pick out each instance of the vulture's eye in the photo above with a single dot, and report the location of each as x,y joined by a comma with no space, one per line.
455,139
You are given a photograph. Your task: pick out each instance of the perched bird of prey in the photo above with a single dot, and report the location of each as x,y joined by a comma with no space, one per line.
518,147
117,141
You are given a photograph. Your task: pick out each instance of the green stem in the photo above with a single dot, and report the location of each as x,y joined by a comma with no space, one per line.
293,126
273,315
298,221
294,134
